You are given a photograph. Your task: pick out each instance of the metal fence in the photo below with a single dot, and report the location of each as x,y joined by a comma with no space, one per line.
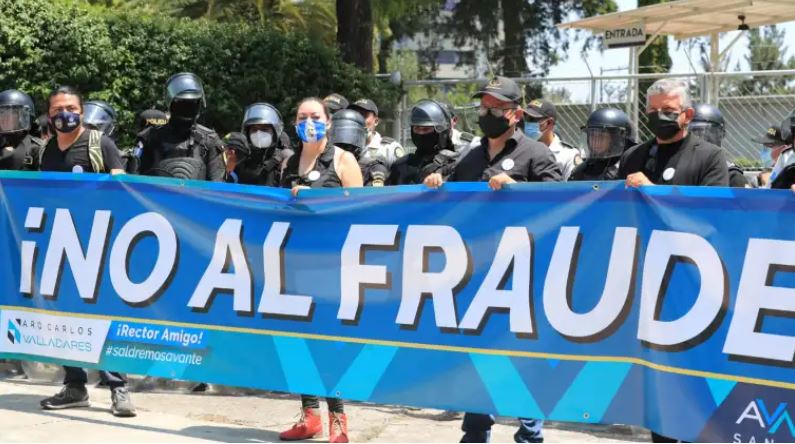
750,102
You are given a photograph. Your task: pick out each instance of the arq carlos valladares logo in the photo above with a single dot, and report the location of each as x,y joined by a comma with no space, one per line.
52,335
49,334
14,335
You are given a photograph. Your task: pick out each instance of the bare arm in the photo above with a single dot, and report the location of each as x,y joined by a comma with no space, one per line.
349,171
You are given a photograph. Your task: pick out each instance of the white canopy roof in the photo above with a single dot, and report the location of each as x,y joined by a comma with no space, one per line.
692,18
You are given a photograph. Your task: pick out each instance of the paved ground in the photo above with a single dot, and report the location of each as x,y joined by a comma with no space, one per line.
170,413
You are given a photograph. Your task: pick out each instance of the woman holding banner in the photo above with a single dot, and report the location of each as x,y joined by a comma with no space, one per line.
318,164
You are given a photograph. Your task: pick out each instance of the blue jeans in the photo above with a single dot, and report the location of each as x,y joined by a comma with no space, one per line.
477,428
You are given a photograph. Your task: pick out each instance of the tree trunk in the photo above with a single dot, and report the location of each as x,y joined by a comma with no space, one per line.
515,47
355,32
384,51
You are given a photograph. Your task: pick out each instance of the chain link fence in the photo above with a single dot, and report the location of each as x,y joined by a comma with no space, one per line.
751,102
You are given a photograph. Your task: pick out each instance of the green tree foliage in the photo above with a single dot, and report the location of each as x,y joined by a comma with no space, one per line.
126,58
313,18
530,33
766,51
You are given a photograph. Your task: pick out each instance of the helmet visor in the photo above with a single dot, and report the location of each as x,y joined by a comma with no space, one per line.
98,118
262,115
187,87
604,143
14,118
711,133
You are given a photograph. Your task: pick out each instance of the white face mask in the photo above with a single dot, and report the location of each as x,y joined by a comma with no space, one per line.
261,139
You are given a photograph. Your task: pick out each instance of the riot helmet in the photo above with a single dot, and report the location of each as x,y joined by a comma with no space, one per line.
708,124
348,131
99,115
783,174
185,96
431,126
608,133
262,114
16,112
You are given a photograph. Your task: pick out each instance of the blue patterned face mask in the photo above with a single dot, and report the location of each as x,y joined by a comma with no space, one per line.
532,130
310,130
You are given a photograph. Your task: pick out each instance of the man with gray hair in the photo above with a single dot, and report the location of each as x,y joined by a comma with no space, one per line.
674,156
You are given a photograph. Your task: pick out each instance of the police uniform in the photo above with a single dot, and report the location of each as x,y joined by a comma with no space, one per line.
387,149
169,152
374,170
597,169
20,152
608,134
182,148
263,167
690,161
414,168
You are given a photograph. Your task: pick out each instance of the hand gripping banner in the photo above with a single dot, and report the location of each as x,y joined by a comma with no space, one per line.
669,308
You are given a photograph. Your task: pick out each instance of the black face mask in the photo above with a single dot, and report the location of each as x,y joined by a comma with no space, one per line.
664,125
493,127
185,111
425,143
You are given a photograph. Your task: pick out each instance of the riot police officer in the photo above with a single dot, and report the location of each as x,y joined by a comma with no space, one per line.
432,134
348,132
386,148
182,148
268,146
783,175
99,115
708,124
20,150
608,133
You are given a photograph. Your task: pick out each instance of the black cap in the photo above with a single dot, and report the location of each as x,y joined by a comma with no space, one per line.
335,102
773,136
540,109
236,141
501,88
364,105
150,117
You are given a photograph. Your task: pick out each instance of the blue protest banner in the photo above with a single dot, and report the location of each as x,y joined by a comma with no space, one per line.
669,308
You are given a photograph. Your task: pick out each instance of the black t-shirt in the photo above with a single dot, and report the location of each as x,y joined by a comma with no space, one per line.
55,159
691,161
523,159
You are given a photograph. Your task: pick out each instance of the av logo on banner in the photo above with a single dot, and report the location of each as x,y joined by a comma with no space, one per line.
71,338
768,419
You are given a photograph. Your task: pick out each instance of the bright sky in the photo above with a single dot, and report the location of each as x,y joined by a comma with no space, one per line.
619,58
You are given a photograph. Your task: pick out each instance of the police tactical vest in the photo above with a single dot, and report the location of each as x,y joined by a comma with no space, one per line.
186,159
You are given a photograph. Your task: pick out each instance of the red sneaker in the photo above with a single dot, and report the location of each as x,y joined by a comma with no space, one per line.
337,427
307,427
